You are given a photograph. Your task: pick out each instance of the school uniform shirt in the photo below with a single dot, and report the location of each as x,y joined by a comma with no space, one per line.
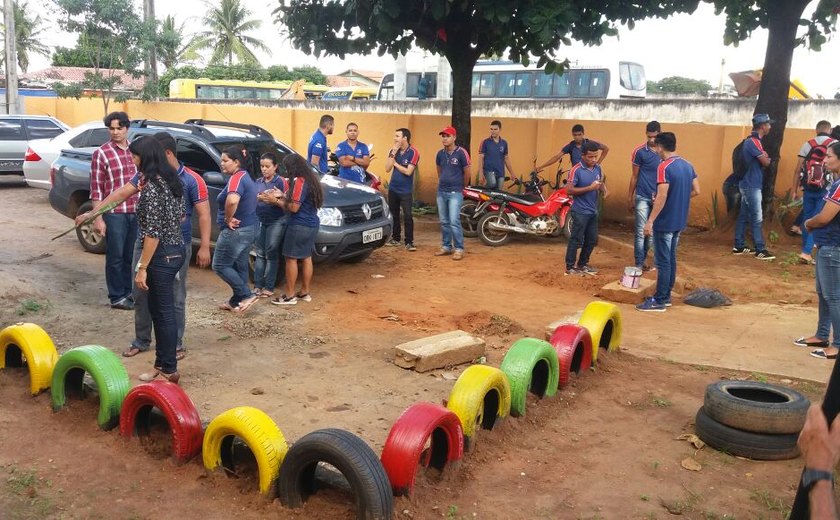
246,211
829,235
307,214
353,173
401,183
318,146
494,155
268,213
452,166
754,178
679,175
195,192
576,152
580,177
648,161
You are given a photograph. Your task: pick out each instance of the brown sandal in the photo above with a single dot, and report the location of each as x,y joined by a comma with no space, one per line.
180,354
132,351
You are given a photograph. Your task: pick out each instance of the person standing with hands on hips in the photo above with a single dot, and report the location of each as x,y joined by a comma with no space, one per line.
493,158
453,167
401,162
586,182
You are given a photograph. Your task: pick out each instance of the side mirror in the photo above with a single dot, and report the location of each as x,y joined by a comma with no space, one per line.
213,178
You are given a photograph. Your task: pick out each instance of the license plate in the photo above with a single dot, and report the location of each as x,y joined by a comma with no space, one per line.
371,235
11,164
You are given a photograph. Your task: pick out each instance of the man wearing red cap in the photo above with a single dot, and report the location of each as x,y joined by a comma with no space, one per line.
453,167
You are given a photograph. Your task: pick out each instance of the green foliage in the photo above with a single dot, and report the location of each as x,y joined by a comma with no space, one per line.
29,306
680,85
29,31
242,72
227,26
172,50
742,18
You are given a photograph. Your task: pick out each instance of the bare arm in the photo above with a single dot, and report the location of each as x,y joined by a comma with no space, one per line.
508,166
604,151
658,204
363,161
822,218
405,170
316,161
120,194
695,187
467,175
202,209
231,204
631,194
479,164
800,161
346,161
574,190
764,159
551,161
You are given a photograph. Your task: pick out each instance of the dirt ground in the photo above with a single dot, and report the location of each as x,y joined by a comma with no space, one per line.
605,447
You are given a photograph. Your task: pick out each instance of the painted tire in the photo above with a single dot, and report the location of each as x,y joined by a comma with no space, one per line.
756,407
176,406
480,389
758,446
352,457
573,345
603,320
107,371
29,344
257,430
405,447
530,365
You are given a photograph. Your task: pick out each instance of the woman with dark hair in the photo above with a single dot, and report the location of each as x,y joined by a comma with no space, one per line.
237,218
305,198
271,190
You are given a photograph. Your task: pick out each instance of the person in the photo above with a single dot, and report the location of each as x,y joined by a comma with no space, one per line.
811,194
575,149
401,162
271,190
644,162
317,152
453,168
825,227
493,158
676,185
305,198
750,188
237,218
111,168
820,447
586,181
353,156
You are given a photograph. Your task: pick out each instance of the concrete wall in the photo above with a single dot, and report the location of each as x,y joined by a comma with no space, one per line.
707,130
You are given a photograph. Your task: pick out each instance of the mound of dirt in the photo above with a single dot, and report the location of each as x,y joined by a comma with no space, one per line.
484,323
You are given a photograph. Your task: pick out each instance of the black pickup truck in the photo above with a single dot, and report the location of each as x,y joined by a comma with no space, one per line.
354,219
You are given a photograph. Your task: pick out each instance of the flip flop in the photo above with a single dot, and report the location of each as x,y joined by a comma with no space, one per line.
180,354
820,353
132,351
801,342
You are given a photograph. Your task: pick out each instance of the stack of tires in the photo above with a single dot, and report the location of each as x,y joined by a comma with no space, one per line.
751,419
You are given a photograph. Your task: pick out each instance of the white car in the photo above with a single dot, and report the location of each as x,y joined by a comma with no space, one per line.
42,152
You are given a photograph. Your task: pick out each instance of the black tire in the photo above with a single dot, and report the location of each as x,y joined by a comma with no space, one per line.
91,241
490,237
347,453
358,258
564,230
756,407
468,224
567,226
756,446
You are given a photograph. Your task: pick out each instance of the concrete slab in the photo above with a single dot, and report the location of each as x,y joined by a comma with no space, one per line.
551,327
616,292
448,349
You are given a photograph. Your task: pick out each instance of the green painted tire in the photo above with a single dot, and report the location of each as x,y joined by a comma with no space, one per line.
107,371
530,365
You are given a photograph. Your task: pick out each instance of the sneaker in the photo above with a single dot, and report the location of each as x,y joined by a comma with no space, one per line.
741,250
285,300
458,255
571,271
588,269
392,243
647,268
125,304
765,255
410,247
305,297
443,252
667,303
650,305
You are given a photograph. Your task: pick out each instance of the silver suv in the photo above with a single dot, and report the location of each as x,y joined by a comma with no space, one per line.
15,133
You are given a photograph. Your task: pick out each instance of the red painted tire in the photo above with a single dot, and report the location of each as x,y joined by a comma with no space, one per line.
573,345
176,406
405,447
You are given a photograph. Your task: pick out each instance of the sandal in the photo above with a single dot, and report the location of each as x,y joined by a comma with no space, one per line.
820,353
180,354
803,342
132,351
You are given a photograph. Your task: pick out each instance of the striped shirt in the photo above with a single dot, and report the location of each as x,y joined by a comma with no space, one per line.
111,167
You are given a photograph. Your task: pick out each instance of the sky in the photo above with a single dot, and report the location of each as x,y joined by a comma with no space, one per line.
683,45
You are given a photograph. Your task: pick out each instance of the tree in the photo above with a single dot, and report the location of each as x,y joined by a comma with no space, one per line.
462,31
28,35
171,48
227,23
679,85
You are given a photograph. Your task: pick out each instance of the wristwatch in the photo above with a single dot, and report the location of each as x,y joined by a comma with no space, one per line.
812,476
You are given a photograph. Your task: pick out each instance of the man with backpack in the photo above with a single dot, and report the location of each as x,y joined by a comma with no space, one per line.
812,180
748,165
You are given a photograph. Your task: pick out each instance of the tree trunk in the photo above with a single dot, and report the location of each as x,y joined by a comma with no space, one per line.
462,67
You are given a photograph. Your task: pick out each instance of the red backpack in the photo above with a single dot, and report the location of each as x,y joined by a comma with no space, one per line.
813,174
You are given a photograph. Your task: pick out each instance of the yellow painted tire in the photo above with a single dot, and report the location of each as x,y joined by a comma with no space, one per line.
258,431
603,321
29,344
480,396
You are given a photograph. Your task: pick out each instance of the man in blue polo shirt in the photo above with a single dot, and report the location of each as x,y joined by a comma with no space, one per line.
317,152
750,187
585,183
575,149
401,162
645,161
353,156
453,167
676,184
493,158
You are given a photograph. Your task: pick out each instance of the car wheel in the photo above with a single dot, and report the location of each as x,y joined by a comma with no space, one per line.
91,241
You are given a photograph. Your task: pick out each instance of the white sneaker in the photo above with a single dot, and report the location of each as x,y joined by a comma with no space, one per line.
305,297
285,300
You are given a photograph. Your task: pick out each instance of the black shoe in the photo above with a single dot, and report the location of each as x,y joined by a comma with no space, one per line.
765,255
125,304
741,250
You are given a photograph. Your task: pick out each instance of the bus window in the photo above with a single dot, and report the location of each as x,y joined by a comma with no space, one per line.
505,86
412,80
241,93
482,85
598,84
209,92
632,76
562,85
542,84
580,85
522,87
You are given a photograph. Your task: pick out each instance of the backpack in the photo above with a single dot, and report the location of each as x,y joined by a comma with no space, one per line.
813,175
739,165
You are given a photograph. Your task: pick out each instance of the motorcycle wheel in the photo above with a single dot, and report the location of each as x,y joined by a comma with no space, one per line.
468,224
492,237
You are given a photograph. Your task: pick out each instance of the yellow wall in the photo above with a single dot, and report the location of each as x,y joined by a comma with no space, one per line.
707,147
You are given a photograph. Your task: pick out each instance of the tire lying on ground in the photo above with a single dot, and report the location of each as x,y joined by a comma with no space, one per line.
603,320
348,454
425,434
480,397
530,365
258,431
756,407
107,371
178,409
573,345
758,446
28,344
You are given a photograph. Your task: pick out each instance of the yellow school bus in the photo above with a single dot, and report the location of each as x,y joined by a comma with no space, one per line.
203,88
350,93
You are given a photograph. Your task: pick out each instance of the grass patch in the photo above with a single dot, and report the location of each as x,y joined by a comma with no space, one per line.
758,376
661,403
29,306
771,503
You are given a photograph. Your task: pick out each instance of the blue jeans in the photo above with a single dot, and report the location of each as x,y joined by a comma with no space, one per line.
642,243
267,248
750,210
160,277
495,181
230,260
665,257
120,235
584,237
810,200
828,293
449,212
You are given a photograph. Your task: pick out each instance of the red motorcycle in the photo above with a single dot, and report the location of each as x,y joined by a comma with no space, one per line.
473,208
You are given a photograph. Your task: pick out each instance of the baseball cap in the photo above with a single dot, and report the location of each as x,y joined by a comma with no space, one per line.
448,130
759,119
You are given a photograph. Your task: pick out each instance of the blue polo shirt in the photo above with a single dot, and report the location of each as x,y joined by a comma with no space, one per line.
580,177
195,192
269,213
452,166
494,155
679,175
754,178
318,146
307,215
575,152
353,173
648,161
400,182
829,235
241,183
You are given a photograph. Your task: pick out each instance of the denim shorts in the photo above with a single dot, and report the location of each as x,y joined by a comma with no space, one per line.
299,241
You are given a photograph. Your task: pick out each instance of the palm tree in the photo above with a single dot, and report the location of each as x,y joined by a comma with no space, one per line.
227,25
171,49
28,35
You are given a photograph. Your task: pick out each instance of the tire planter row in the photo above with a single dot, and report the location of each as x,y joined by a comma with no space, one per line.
28,343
